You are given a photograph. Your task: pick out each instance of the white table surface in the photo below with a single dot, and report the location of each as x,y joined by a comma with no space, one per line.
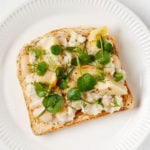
140,7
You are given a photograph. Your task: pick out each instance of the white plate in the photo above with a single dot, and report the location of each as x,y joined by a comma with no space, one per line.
121,131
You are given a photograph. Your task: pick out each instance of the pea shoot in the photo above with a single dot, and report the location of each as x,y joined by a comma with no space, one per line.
62,74
74,94
100,77
56,49
86,82
63,84
41,68
103,57
59,72
39,89
38,51
98,44
70,48
74,61
118,76
86,59
99,101
114,102
53,103
108,46
52,64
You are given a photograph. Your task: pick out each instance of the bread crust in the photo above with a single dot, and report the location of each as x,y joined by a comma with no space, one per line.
40,128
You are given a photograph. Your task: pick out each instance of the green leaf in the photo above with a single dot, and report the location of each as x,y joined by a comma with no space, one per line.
74,61
52,63
118,76
86,59
59,72
38,51
100,77
40,90
86,82
53,103
74,94
56,49
63,84
99,101
84,104
41,68
114,102
108,47
70,48
102,57
98,44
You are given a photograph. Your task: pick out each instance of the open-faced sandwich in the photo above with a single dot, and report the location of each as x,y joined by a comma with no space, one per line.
71,75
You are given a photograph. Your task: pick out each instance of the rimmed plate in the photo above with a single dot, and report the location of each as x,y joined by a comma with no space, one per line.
121,131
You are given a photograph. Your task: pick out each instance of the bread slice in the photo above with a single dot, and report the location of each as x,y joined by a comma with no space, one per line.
40,127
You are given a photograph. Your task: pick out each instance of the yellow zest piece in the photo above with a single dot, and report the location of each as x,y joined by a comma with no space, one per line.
95,35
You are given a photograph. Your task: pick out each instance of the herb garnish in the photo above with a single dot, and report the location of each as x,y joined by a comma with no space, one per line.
53,103
86,82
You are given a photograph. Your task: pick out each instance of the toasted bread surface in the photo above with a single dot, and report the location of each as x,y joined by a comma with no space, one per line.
39,127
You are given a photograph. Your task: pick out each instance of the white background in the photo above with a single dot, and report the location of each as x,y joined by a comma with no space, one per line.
140,7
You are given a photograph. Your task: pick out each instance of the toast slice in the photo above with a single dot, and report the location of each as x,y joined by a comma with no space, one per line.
71,75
